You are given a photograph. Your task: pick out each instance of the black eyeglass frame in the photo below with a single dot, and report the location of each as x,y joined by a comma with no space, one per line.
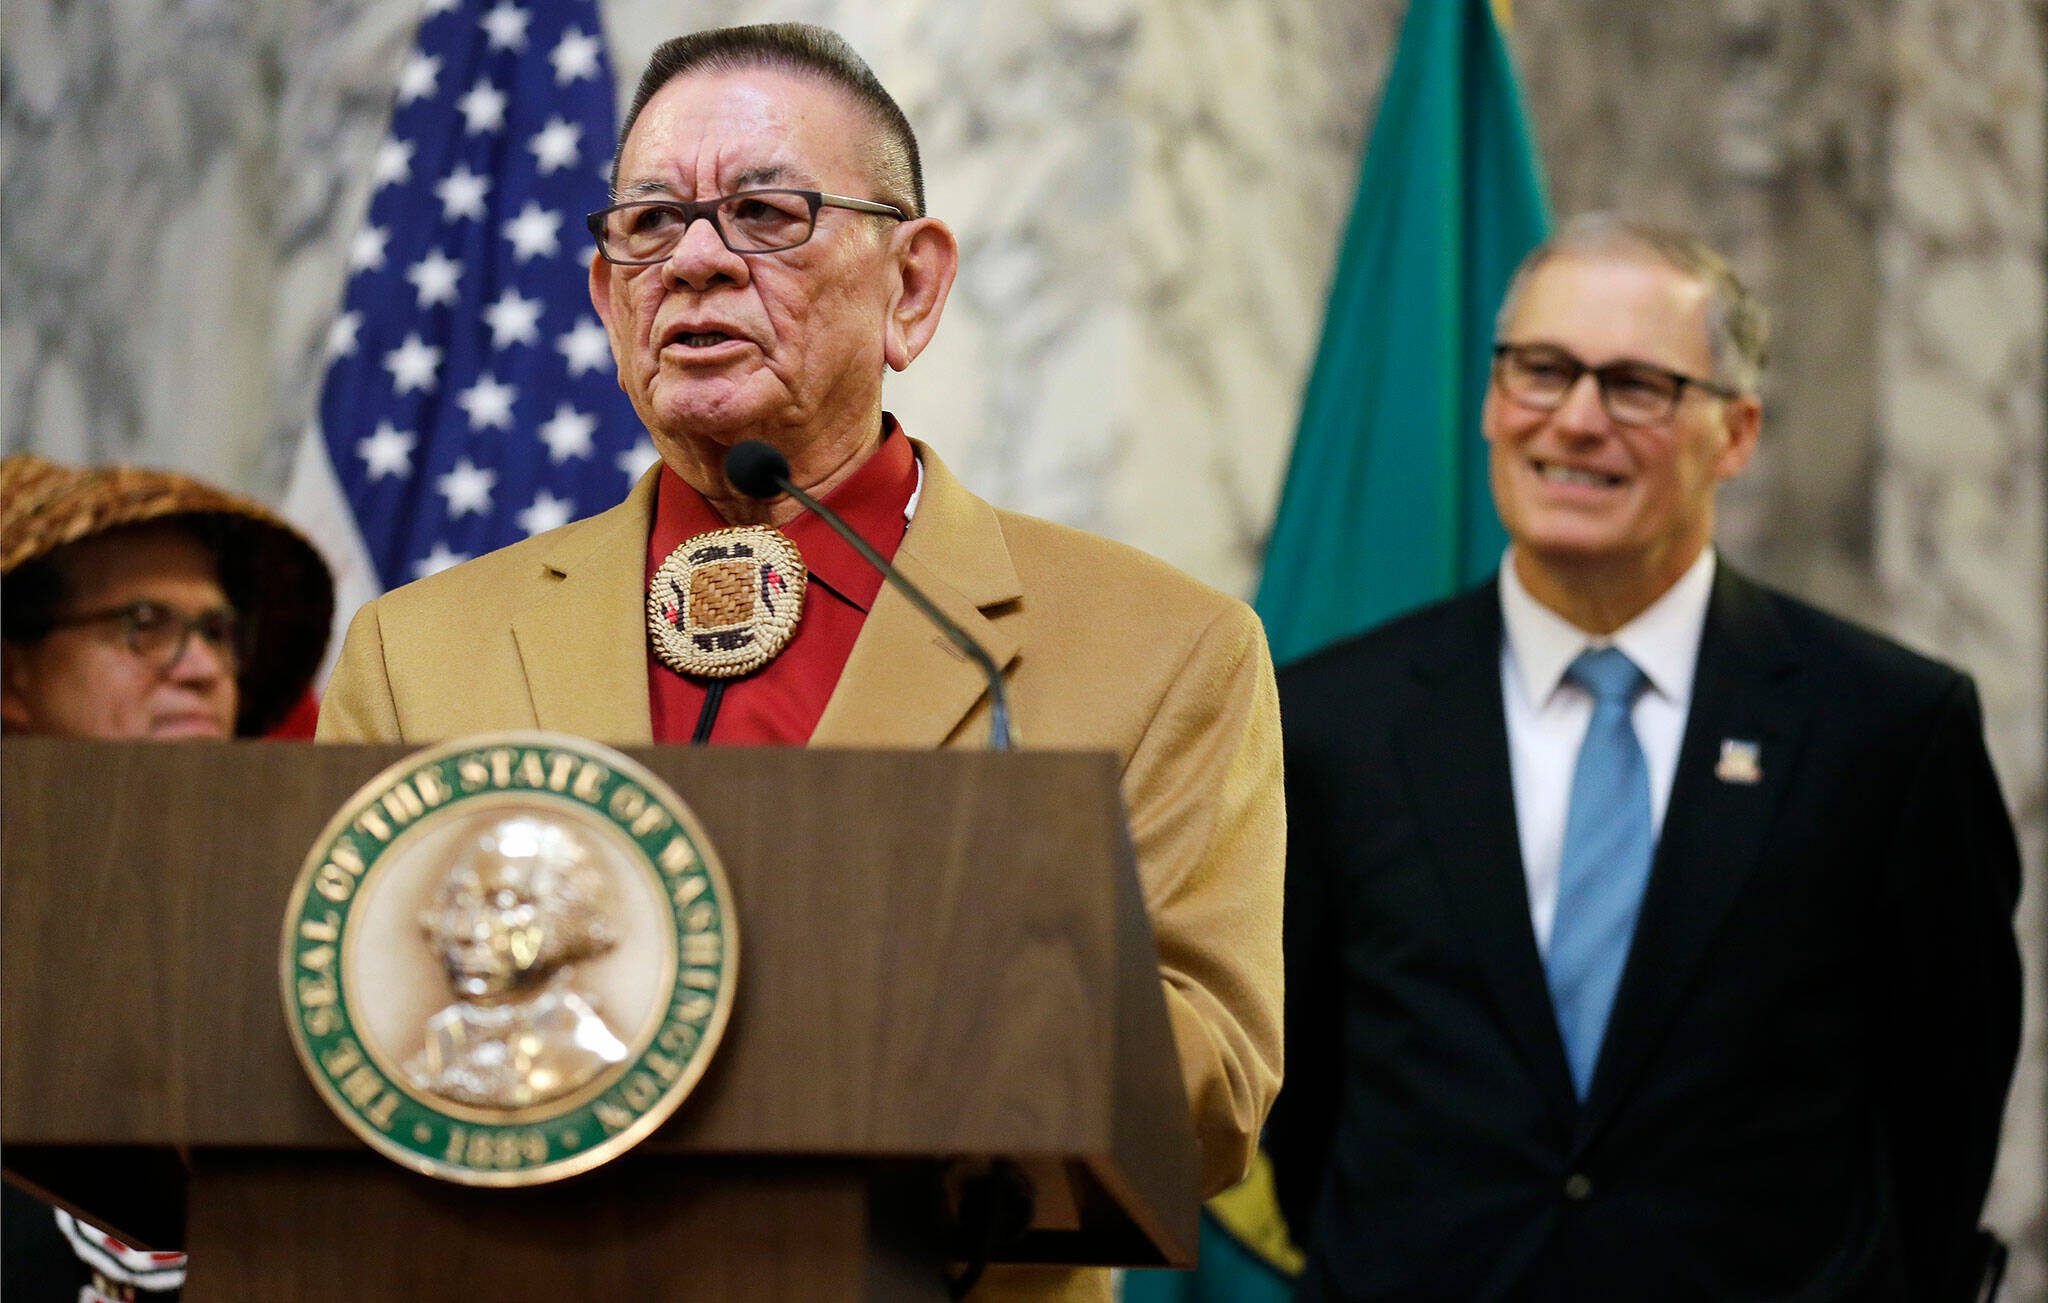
1603,377
233,647
707,209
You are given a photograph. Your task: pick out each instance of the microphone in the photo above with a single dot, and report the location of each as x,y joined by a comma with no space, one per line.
759,471
756,469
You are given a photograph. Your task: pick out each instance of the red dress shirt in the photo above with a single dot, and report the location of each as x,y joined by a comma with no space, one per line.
781,703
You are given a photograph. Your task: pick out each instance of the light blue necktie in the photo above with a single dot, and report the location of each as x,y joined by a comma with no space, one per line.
1607,849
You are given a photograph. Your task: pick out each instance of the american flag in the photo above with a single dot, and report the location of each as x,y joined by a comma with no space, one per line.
470,399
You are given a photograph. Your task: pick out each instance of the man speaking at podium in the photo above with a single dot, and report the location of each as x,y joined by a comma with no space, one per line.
766,258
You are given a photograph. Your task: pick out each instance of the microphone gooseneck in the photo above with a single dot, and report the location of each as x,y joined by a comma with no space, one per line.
759,471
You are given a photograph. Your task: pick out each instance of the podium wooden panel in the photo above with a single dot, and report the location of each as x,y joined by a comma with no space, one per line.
945,958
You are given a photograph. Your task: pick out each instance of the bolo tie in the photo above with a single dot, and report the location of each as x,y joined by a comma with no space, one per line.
722,605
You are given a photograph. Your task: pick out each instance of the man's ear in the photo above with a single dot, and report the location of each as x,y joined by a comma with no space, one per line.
1742,423
15,715
601,290
926,257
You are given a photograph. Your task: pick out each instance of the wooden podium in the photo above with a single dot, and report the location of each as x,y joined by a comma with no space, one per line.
946,963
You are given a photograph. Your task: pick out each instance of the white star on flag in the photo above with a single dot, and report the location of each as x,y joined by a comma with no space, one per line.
567,433
462,193
388,451
547,512
535,233
366,250
434,562
488,402
635,460
416,80
341,336
574,56
513,319
467,488
556,145
413,365
482,109
434,277
586,347
394,162
505,25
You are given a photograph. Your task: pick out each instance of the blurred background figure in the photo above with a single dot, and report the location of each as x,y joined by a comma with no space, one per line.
1649,932
139,604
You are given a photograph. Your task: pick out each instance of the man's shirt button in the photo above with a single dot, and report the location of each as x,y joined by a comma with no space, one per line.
1578,1187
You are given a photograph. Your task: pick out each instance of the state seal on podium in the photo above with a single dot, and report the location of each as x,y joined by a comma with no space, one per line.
509,958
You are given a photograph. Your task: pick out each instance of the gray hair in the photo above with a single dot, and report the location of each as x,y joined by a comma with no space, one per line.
1738,326
804,48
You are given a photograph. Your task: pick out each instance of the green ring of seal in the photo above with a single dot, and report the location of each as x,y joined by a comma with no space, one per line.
593,1127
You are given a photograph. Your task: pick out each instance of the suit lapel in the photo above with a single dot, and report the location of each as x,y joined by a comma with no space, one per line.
905,685
1454,747
583,641
1746,691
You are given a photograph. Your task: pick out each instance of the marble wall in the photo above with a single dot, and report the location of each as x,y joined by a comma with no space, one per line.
1962,448
1147,194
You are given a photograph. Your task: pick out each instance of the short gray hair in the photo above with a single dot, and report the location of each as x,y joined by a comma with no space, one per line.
1738,326
802,48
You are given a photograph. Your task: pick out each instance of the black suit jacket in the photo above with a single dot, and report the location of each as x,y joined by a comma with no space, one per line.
1800,1088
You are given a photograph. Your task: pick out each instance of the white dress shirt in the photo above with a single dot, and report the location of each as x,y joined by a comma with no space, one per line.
1547,715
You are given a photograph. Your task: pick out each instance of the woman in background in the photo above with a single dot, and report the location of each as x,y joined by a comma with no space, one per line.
139,605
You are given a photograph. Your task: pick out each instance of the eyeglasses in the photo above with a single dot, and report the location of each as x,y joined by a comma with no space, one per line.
159,634
646,231
1633,393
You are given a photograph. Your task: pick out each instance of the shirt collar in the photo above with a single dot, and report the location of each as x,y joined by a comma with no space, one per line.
1663,641
877,500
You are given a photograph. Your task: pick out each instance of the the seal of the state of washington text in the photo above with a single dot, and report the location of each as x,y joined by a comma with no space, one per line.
509,958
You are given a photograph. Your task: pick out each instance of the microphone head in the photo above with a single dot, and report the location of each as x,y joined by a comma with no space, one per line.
754,468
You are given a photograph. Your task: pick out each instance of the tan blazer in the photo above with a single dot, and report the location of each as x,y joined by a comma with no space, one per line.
1102,647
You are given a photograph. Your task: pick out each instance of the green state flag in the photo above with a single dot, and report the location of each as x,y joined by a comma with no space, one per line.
1386,504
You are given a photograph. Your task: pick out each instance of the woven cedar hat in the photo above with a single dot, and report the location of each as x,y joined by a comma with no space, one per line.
272,574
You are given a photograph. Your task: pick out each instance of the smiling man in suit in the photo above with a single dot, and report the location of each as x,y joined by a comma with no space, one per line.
1648,932
768,258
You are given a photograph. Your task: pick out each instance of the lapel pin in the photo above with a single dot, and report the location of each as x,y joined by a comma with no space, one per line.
1740,762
